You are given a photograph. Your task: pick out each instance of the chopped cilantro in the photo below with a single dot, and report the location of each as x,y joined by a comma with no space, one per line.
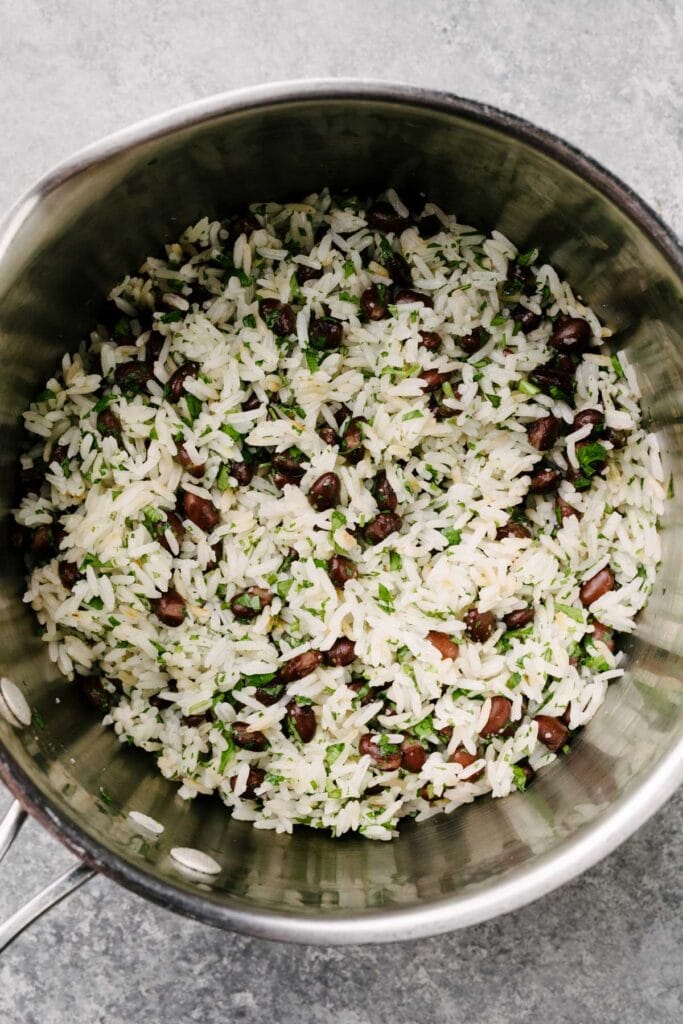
194,406
519,778
249,320
617,367
416,414
223,478
592,458
384,598
573,613
525,259
349,268
103,402
453,537
395,561
332,753
227,428
424,730
172,317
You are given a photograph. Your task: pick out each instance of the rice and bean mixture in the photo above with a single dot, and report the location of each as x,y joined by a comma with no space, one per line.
342,513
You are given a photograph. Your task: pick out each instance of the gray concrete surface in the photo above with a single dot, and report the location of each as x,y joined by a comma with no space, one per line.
606,76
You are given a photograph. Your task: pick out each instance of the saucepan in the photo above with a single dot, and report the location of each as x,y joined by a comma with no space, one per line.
95,218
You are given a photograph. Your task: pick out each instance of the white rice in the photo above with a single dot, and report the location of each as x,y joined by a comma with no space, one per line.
457,480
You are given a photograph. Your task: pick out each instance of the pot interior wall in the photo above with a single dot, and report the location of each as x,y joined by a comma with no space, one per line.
99,223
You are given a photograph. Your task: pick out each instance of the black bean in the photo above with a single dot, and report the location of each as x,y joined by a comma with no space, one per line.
552,732
384,494
388,762
499,716
341,653
301,721
597,586
68,573
398,270
526,318
326,332
571,334
43,544
342,414
373,302
617,438
565,509
588,416
464,759
603,634
300,666
248,738
555,379
430,340
429,225
108,424
279,316
545,480
512,529
543,432
479,625
324,493
446,647
170,608
352,442
153,347
194,468
176,385
381,527
341,570
242,224
405,296
217,549
202,512
95,692
255,780
471,343
251,402
173,523
269,695
383,217
288,467
519,618
250,603
192,721
304,273
243,472
132,377
413,756
59,453
432,380
329,435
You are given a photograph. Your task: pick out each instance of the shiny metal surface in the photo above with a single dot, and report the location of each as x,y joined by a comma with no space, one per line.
94,219
49,896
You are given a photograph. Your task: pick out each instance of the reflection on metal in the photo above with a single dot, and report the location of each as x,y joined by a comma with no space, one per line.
10,825
91,221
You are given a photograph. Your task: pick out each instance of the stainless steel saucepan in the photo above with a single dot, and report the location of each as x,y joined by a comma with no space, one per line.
95,218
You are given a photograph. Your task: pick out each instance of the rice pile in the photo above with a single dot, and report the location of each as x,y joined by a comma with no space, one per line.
185,573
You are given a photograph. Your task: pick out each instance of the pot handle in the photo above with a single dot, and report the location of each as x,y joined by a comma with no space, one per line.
47,897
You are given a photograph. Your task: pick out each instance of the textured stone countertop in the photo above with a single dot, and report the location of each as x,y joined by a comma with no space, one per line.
606,76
